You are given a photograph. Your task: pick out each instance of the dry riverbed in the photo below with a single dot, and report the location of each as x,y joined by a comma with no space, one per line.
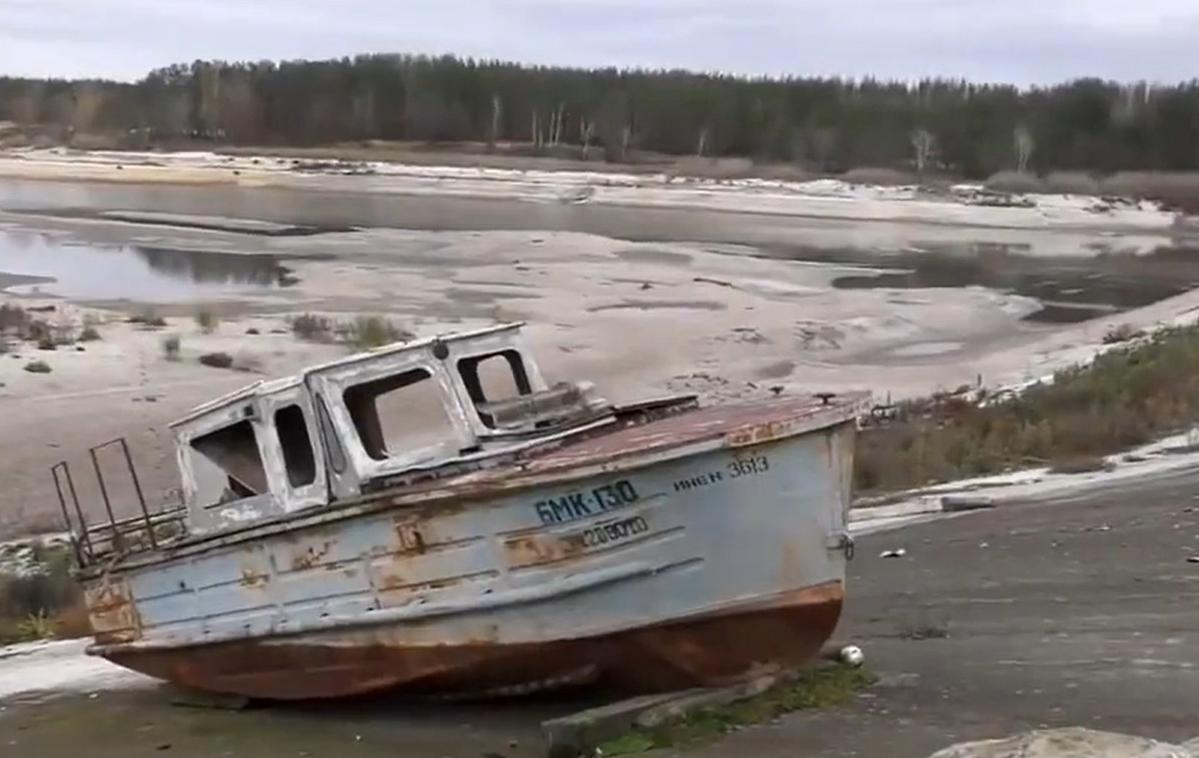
645,284
639,318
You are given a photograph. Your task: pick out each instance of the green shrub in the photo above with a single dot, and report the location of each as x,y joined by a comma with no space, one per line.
310,326
207,320
38,367
37,626
374,331
1176,189
217,360
1014,181
13,317
887,177
148,318
171,345
31,603
1072,183
1126,397
824,686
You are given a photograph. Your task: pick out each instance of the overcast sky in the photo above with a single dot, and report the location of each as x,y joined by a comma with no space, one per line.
1019,41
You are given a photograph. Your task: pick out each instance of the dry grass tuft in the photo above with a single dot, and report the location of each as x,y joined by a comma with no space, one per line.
1178,190
1016,182
312,327
375,331
1126,397
171,345
887,177
43,601
1072,183
207,320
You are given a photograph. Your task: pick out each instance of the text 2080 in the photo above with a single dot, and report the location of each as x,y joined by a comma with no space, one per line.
621,530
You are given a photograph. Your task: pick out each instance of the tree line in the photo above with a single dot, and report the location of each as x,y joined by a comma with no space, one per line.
820,124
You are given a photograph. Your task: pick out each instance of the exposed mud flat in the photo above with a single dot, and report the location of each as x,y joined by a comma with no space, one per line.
726,289
722,326
60,703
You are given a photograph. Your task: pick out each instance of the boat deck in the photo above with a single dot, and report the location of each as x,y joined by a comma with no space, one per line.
729,426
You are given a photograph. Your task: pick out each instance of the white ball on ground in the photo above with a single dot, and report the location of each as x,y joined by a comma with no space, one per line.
851,655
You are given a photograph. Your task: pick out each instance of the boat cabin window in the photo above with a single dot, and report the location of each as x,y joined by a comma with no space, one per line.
298,456
227,464
399,413
494,377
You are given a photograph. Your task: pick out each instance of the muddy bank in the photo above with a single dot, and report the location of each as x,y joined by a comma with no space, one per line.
353,205
118,715
966,205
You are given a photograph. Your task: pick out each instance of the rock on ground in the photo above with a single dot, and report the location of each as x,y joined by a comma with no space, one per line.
1067,743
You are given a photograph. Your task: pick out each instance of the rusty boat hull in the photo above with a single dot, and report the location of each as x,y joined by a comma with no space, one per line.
686,551
709,650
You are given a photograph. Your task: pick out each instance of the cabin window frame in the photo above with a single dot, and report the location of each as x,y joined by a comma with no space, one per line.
474,390
334,385
206,516
292,497
258,463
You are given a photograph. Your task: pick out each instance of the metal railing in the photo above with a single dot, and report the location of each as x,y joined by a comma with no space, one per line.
91,542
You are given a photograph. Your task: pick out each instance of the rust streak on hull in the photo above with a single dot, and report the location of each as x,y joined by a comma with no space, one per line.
700,651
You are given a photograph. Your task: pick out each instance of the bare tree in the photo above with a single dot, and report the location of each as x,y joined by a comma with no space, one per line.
536,136
243,119
1024,147
556,125
613,121
25,108
626,136
209,99
702,143
60,110
924,143
497,108
586,134
824,143
362,107
171,113
88,99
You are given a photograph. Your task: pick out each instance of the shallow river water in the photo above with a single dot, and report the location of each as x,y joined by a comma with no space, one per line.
1075,276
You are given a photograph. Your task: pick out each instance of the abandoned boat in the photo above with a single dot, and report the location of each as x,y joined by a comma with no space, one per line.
432,517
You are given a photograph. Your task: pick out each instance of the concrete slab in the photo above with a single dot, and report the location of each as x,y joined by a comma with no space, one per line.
580,733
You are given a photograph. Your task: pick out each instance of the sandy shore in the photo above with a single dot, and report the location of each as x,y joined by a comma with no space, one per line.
965,205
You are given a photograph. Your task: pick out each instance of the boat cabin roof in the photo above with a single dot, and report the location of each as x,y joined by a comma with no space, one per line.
274,386
342,428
